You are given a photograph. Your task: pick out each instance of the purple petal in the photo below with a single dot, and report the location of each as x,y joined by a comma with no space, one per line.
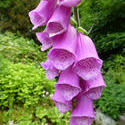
59,21
45,40
88,64
62,54
61,103
68,84
93,88
42,13
69,3
51,71
83,114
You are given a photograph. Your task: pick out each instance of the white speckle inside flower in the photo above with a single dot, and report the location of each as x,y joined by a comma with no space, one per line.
68,92
61,58
88,68
95,93
82,121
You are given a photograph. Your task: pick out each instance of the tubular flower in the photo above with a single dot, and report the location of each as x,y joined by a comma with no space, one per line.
87,64
62,55
60,102
68,84
44,39
69,3
93,88
42,13
83,114
59,21
51,71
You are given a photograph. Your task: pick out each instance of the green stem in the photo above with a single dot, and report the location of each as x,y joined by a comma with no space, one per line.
76,14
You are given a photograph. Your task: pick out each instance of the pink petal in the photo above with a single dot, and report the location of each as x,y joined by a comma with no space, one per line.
69,3
88,64
68,84
45,40
51,71
60,102
59,21
83,114
42,13
62,55
93,88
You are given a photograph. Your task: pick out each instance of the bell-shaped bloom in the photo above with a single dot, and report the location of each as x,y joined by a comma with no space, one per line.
68,84
69,3
83,114
87,64
93,88
60,102
44,39
59,21
62,55
42,13
51,71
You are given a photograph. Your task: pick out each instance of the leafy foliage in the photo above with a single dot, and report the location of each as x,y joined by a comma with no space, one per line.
111,44
14,15
112,101
22,83
105,16
18,49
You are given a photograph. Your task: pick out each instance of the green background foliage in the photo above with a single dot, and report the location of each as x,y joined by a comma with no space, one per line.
25,91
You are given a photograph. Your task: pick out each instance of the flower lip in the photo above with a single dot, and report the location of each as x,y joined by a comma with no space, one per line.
69,3
88,68
36,19
44,39
78,120
68,91
55,28
61,58
60,102
93,88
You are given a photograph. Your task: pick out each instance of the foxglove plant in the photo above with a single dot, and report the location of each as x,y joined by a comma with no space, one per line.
73,59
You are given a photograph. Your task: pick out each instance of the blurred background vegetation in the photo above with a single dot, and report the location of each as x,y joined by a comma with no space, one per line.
25,91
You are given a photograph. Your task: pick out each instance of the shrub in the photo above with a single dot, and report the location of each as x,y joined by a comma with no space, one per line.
14,15
22,84
110,44
19,49
112,101
105,16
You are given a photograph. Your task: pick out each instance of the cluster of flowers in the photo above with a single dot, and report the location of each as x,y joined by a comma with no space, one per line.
73,58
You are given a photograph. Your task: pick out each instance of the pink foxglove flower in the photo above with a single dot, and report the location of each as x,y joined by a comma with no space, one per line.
60,102
42,13
44,39
88,64
51,71
93,88
59,21
69,3
83,114
68,84
62,55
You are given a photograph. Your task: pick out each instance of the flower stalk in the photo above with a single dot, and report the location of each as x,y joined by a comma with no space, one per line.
76,15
